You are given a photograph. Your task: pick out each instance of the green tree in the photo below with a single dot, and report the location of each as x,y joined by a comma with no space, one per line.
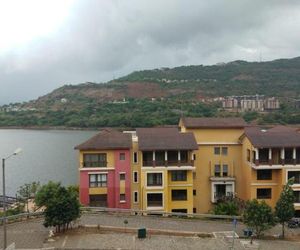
284,209
61,205
226,208
28,191
258,216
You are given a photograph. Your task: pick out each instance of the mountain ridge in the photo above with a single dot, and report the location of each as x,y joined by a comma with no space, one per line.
165,94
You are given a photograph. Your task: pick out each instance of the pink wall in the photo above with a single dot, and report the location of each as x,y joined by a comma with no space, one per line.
84,188
113,182
111,189
122,166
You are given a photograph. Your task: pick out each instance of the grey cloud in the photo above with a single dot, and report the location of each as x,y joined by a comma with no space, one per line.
105,39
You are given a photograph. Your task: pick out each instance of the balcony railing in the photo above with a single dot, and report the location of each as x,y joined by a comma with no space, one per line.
277,162
167,163
95,164
222,196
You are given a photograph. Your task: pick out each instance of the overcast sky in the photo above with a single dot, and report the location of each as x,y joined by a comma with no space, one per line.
46,44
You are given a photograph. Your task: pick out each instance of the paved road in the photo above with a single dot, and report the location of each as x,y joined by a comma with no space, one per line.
194,225
158,242
27,234
31,234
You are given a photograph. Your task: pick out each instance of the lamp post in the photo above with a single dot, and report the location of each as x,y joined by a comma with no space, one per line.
17,151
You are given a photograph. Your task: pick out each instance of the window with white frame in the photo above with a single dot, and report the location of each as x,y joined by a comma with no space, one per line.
154,179
154,199
97,180
135,157
122,156
122,197
135,197
135,177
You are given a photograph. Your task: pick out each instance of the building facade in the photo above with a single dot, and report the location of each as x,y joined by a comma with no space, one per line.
191,167
105,170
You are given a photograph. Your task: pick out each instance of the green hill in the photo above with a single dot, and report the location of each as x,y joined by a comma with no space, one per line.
161,96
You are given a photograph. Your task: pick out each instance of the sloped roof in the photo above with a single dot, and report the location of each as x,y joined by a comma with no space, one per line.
205,122
107,139
165,139
276,137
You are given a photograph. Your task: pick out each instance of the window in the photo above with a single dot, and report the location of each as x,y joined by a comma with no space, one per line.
154,200
264,193
135,197
194,192
135,177
154,179
248,155
225,170
135,157
98,180
94,160
265,174
98,200
194,157
217,150
194,210
217,170
297,196
122,197
122,156
183,211
122,177
224,150
253,156
179,195
179,175
295,175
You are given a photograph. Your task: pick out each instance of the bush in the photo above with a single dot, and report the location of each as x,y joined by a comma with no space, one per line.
226,208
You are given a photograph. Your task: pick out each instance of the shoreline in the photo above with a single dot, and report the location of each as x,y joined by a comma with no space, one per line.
60,128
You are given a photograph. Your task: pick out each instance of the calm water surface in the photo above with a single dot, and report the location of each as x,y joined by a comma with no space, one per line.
47,155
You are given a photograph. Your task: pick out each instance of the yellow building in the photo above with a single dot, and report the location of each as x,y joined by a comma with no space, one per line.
270,158
162,170
191,168
218,159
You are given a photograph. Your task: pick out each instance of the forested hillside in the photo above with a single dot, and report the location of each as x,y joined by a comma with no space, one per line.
161,96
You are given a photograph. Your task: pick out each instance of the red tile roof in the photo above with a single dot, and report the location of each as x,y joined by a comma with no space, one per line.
276,137
107,139
165,139
204,122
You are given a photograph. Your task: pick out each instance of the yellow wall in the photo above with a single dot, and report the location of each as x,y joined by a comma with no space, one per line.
216,135
207,139
251,183
188,185
109,157
136,186
98,190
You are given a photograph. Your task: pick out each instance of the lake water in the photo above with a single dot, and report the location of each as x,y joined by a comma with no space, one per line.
47,155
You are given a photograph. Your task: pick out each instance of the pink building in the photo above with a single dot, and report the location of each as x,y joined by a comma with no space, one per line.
104,170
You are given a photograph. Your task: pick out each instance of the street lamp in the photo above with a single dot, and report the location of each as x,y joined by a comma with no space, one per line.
17,151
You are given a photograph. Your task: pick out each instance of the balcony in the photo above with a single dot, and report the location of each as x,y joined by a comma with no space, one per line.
223,197
94,164
167,158
222,191
273,158
167,163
